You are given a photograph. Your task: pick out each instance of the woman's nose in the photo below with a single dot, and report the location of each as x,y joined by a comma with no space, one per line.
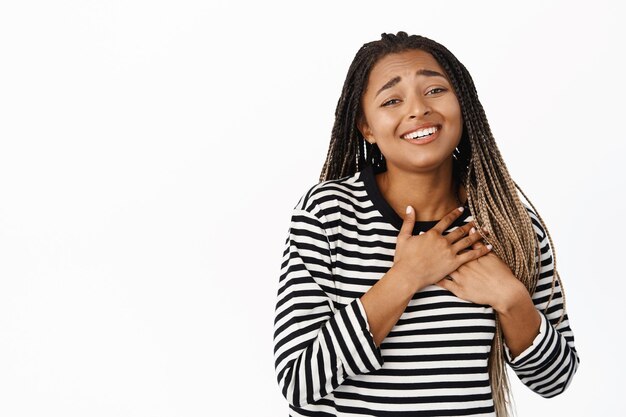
418,107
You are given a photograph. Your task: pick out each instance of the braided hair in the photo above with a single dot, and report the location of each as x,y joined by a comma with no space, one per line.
477,164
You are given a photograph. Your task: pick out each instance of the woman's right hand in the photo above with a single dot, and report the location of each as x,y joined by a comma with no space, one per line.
430,256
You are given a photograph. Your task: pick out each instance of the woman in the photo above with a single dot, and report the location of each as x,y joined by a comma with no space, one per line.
382,310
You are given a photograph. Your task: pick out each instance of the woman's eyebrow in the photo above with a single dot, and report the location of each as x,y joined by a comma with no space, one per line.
396,80
388,84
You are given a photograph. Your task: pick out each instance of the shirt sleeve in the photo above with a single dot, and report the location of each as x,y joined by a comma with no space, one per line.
548,365
316,345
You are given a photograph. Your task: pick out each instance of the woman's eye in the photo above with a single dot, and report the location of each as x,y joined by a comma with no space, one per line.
390,102
436,90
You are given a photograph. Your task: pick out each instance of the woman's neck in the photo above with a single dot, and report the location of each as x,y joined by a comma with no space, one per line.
432,195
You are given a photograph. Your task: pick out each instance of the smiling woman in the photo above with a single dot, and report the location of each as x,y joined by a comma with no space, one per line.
415,106
413,272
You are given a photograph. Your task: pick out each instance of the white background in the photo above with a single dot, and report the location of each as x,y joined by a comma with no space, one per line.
151,153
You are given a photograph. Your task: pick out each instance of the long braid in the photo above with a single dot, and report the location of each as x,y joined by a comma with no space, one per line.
477,164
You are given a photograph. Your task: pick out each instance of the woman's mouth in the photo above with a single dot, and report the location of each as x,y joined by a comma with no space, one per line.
422,136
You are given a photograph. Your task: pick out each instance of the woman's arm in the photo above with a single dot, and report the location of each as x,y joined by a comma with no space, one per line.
519,319
548,365
316,345
538,347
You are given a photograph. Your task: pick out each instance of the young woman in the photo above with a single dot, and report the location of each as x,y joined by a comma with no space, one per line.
382,310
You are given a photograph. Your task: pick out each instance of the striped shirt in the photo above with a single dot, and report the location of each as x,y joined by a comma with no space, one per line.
341,241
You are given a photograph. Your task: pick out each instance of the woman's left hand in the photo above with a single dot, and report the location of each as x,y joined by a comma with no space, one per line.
486,280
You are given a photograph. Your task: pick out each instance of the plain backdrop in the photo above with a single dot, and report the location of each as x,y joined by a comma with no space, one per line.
151,153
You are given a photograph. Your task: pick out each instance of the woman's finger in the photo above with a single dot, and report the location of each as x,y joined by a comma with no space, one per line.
477,244
406,231
466,242
459,232
449,284
470,255
480,243
447,220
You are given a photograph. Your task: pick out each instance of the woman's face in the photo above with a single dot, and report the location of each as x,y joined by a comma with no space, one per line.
408,96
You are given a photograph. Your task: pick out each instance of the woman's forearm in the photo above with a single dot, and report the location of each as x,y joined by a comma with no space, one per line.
520,321
386,300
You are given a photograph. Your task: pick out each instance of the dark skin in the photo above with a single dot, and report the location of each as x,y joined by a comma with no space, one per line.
401,97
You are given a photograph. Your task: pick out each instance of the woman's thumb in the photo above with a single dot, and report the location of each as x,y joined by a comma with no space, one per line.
406,230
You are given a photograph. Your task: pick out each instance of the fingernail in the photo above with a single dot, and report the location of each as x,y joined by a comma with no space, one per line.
461,209
472,231
409,209
489,247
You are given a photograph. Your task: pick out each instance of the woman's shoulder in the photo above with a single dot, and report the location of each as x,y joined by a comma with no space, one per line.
325,193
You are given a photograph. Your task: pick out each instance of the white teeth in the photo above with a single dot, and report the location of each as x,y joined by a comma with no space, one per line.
420,133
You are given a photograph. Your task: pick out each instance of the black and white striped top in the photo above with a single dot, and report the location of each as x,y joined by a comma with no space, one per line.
341,240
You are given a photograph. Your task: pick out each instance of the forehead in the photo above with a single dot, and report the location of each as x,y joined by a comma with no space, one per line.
402,64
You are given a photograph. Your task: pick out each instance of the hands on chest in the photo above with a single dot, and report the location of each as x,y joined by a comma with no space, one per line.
458,262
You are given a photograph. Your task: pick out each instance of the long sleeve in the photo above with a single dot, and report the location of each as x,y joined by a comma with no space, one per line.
317,345
547,366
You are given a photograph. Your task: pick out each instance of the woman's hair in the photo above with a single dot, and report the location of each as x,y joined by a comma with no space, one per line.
477,164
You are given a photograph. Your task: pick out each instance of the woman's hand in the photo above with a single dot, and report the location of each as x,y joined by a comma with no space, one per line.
486,280
429,257
489,281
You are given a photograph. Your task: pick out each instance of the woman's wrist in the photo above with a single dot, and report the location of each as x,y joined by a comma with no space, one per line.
406,277
515,298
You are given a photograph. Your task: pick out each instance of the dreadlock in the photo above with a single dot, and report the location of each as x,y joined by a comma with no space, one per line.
477,164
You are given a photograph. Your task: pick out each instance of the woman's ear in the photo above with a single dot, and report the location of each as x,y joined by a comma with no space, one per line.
365,130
